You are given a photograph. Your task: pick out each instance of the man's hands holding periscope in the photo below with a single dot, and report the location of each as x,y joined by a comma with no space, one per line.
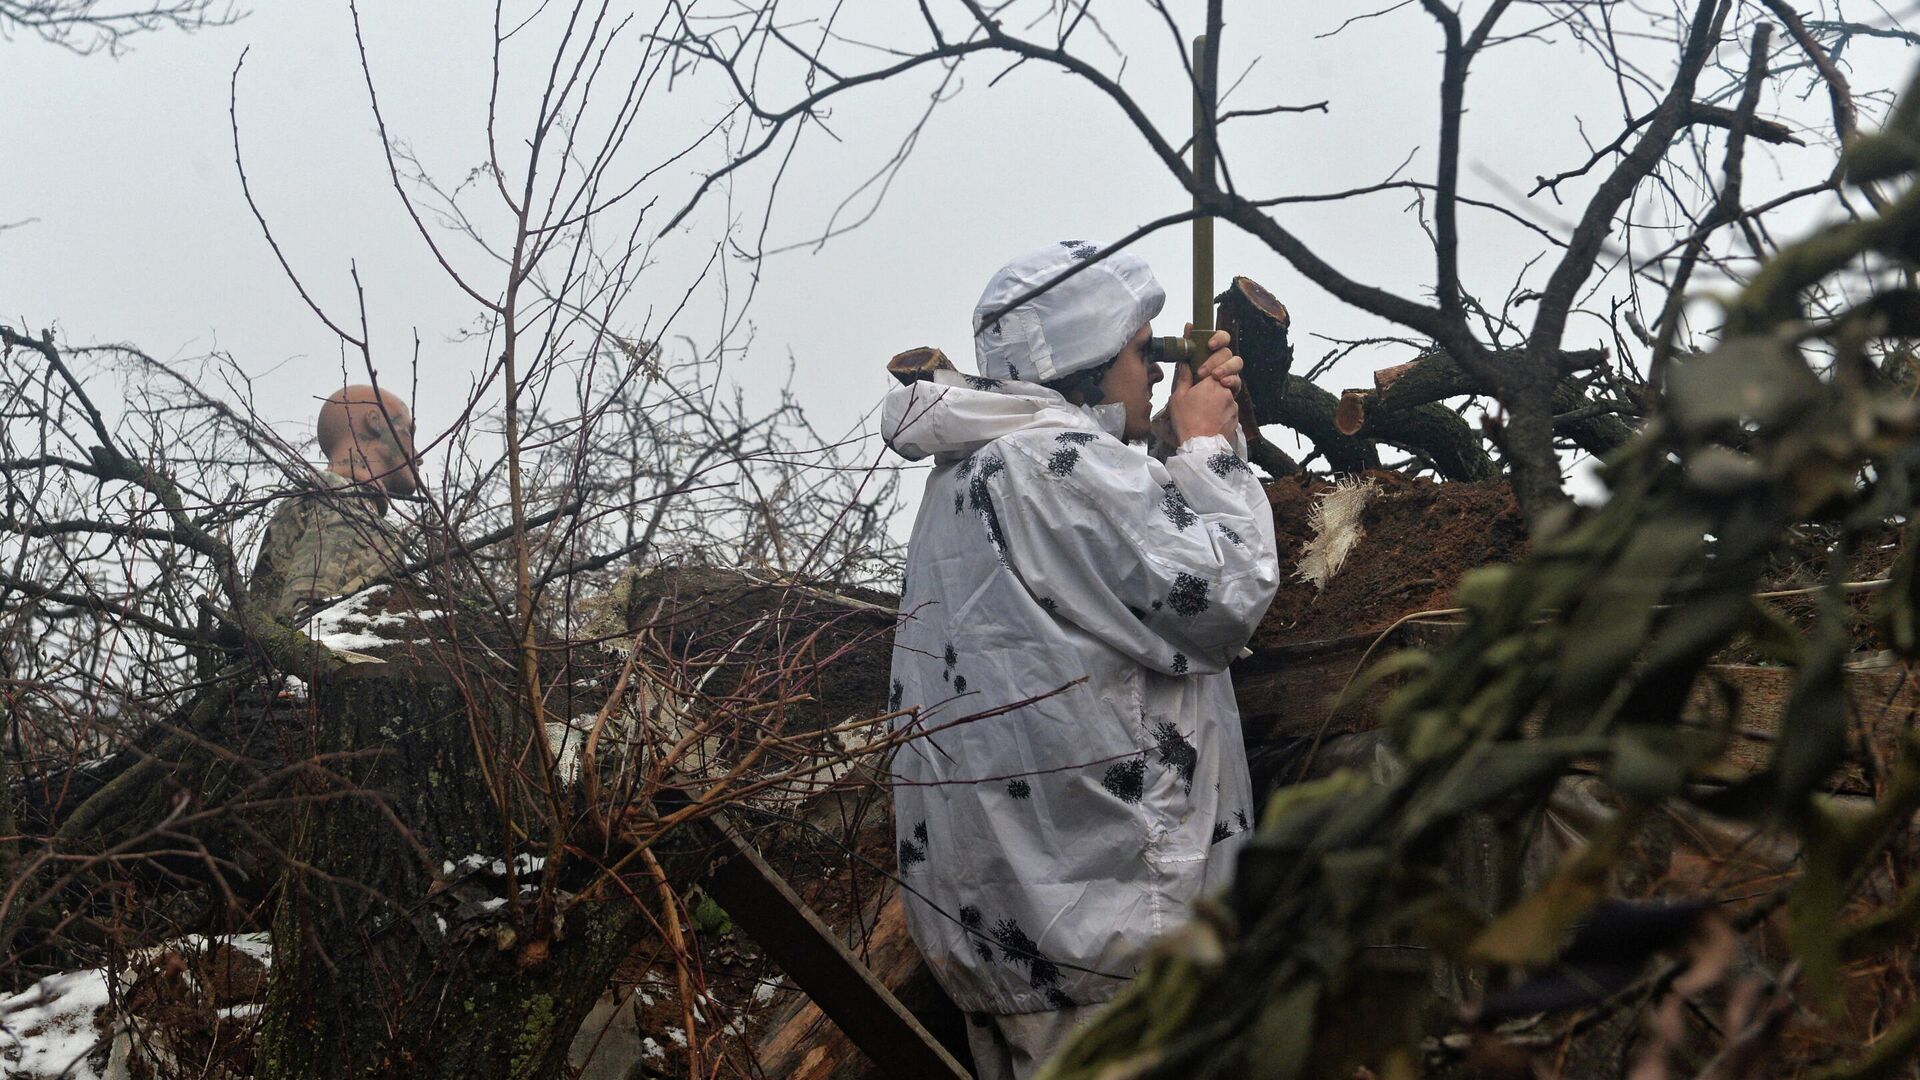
1203,404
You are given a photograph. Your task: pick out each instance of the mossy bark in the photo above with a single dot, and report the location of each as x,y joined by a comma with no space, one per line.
380,969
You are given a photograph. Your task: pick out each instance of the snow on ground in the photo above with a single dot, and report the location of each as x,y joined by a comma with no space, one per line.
64,1027
57,1026
764,990
47,1030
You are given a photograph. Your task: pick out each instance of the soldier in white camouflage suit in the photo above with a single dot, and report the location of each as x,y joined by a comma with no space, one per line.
331,543
1081,599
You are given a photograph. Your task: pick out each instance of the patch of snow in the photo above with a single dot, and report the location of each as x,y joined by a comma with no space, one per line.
47,1029
650,1049
329,626
764,990
294,688
679,1037
258,946
472,864
350,625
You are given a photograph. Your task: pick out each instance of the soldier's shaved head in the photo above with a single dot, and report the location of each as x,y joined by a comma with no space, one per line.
367,435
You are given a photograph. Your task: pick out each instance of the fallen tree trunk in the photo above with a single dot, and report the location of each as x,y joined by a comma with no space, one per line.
398,950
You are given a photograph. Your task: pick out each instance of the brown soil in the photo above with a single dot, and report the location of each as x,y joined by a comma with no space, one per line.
1421,536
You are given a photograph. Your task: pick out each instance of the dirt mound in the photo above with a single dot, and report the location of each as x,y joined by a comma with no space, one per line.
1420,537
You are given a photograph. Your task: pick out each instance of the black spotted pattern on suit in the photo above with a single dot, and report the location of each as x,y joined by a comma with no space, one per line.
966,465
959,502
1059,999
1232,537
1077,438
1226,463
1126,780
1189,595
1179,663
1221,831
1174,505
912,854
1176,752
1240,816
952,656
1019,788
1017,948
1063,461
959,684
971,919
981,382
1047,605
980,497
893,699
1081,250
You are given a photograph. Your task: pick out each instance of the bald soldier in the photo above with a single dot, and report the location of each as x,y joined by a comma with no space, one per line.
332,543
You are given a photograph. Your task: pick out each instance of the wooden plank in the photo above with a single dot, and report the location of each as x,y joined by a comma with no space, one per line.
766,907
800,1044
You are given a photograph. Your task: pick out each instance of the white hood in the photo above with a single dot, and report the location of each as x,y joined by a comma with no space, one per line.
955,414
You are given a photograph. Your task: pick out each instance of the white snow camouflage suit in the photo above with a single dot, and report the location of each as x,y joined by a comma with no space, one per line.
1043,847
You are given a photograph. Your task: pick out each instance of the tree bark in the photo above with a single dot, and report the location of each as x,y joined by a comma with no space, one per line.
1433,431
381,967
1259,324
1310,410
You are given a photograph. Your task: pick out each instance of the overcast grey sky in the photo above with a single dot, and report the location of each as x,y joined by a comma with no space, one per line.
139,232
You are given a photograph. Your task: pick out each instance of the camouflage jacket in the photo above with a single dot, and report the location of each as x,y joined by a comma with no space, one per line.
321,544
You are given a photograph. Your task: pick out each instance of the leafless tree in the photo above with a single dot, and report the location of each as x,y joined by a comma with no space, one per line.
1564,347
88,26
542,706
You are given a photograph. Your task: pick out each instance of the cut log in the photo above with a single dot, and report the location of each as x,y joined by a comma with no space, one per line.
1259,324
1420,384
916,365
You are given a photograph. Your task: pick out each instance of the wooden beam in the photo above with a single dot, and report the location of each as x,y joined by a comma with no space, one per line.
761,903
